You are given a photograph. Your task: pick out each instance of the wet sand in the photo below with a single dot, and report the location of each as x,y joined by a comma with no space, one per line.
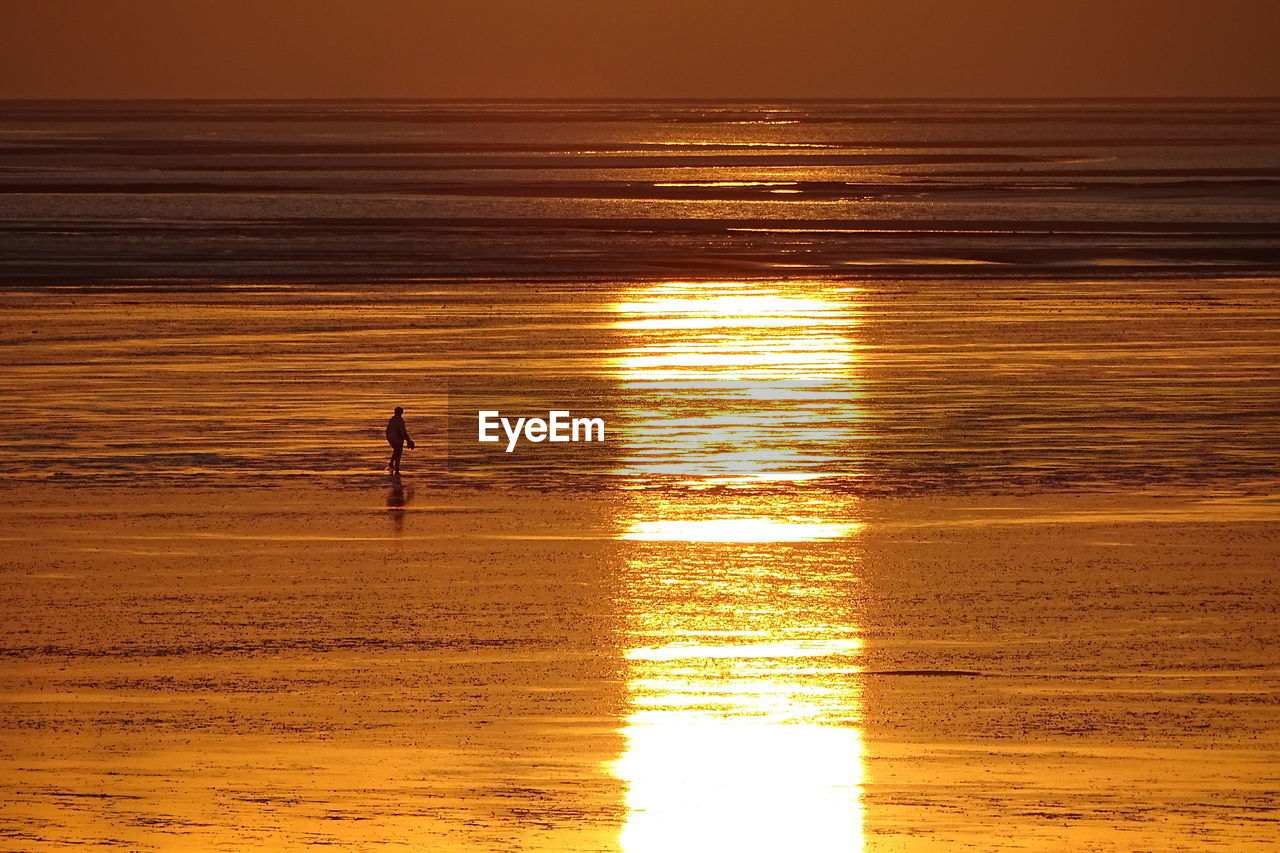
1002,579
217,668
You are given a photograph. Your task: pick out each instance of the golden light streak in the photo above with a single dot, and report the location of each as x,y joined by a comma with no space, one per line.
742,665
736,530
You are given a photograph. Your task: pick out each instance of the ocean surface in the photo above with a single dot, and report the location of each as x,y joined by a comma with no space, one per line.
987,294
373,191
938,508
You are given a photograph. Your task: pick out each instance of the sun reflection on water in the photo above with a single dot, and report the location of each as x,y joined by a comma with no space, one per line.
738,383
741,645
723,784
736,530
714,330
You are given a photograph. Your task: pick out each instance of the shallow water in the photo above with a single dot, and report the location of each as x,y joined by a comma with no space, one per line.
936,386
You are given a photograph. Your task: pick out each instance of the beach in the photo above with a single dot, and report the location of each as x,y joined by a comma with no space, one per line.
936,506
204,669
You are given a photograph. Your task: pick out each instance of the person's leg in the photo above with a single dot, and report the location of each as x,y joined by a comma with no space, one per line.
396,451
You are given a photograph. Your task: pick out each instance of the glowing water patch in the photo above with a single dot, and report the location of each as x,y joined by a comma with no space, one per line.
740,786
775,650
737,530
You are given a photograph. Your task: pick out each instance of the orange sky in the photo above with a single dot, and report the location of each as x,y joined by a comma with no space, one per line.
637,48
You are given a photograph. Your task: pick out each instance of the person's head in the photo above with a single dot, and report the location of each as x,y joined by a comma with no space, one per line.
399,411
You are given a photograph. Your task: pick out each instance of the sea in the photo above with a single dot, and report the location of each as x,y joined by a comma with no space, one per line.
936,508
993,295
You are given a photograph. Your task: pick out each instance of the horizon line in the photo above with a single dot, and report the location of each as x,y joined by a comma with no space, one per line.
623,99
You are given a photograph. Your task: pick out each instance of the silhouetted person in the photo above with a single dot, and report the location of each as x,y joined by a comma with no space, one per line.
397,437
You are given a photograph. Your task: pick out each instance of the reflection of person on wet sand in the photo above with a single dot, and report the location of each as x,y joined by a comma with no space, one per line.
397,500
397,437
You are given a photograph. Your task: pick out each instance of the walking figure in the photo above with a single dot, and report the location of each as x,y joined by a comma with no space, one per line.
397,437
